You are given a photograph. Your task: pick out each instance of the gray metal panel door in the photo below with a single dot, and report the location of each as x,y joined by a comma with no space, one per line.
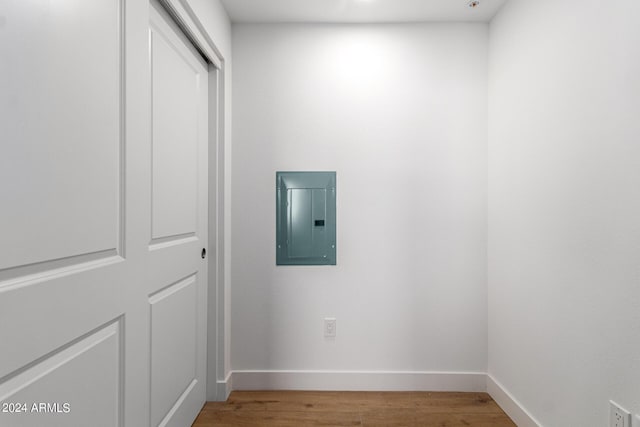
305,218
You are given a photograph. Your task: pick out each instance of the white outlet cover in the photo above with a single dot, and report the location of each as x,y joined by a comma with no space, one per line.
618,416
330,327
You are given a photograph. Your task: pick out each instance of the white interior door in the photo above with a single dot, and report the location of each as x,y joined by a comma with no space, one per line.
102,216
64,271
177,290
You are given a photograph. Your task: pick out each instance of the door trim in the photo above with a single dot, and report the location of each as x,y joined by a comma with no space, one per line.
187,20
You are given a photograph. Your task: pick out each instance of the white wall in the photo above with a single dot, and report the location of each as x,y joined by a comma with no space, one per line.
217,24
400,112
564,207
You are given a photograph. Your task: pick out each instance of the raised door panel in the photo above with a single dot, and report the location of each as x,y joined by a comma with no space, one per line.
60,115
177,80
77,385
174,313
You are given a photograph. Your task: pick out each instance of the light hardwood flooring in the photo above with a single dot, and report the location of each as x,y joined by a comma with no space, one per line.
315,408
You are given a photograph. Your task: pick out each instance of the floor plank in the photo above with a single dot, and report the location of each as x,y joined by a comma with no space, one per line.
313,408
284,419
412,417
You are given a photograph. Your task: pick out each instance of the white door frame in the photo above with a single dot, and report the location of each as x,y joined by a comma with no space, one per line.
184,16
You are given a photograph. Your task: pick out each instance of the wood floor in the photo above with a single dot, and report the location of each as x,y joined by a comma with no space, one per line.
313,408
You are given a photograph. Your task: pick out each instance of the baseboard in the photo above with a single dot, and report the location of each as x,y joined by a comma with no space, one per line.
510,405
224,388
359,380
378,381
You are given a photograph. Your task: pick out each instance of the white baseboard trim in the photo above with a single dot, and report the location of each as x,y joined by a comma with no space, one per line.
224,388
510,405
359,380
377,381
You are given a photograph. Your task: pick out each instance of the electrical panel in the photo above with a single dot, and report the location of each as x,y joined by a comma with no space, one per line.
305,218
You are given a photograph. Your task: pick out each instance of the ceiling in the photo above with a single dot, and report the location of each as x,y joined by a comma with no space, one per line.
360,11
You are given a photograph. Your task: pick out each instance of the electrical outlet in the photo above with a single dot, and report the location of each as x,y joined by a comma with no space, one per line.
330,329
618,416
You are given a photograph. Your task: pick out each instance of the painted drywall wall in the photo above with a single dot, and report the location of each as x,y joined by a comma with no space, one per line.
564,207
400,112
216,22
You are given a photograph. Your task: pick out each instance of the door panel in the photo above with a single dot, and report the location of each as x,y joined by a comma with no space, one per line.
104,214
177,292
58,375
175,78
173,345
63,273
61,131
